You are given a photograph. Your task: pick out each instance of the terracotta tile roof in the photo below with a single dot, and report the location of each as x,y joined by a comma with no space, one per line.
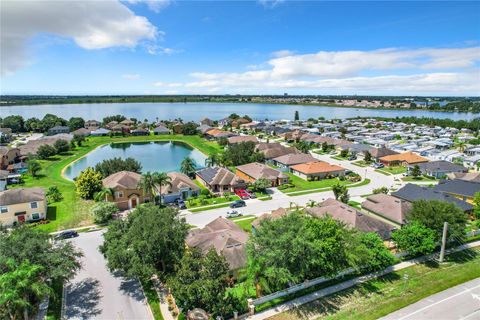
408,157
316,167
122,179
295,158
239,139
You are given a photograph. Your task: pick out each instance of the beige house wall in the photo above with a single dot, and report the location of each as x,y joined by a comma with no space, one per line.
8,218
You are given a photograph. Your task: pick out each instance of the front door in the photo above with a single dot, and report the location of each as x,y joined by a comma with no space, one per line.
134,202
21,218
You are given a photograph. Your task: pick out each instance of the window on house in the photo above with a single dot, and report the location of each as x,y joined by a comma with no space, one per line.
35,216
33,205
225,187
118,194
3,209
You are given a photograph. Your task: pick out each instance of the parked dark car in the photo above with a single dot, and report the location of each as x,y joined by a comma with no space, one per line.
237,204
66,235
180,204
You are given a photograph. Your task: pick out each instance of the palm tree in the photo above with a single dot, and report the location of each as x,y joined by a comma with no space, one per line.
188,167
161,179
212,160
33,168
311,203
103,194
147,184
223,160
461,146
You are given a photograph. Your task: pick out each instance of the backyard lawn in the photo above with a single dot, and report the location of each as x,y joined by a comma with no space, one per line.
73,211
421,178
379,297
392,170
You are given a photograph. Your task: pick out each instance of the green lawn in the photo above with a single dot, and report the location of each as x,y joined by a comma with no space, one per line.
73,211
246,224
392,170
361,163
379,297
152,298
421,178
55,302
301,184
197,202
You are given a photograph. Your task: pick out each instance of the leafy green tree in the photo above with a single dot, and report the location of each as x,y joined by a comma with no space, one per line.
16,123
150,240
433,213
46,151
303,146
78,139
103,212
369,253
200,281
50,120
103,194
295,248
212,160
368,157
261,184
415,238
344,153
162,179
223,141
380,190
325,146
242,153
416,172
341,192
33,168
189,128
117,118
53,194
88,183
76,123
110,166
62,146
476,205
33,124
21,287
188,167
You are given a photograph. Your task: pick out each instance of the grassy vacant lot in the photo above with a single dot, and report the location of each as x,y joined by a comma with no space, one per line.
73,211
392,170
301,185
379,297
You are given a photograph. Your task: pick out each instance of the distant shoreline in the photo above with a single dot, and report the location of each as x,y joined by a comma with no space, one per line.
330,105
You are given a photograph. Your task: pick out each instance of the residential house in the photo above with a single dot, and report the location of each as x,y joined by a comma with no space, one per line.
317,170
120,128
239,139
58,130
403,159
100,132
286,161
412,192
273,215
140,132
274,150
207,121
378,153
217,134
22,205
161,130
472,161
219,180
81,132
439,169
177,128
8,156
204,128
351,217
92,125
225,237
237,122
3,179
111,124
388,207
460,189
128,122
251,172
181,187
470,176
5,135
126,193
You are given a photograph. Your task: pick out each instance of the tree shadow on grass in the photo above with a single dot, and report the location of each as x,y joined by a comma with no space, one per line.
82,299
52,213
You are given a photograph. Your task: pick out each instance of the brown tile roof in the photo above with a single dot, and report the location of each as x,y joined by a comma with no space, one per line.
381,152
239,139
21,195
123,180
316,167
275,214
179,181
220,176
294,158
259,170
351,217
470,176
270,145
278,152
388,206
408,157
225,236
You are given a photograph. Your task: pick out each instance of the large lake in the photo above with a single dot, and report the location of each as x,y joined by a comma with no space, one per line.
161,156
196,111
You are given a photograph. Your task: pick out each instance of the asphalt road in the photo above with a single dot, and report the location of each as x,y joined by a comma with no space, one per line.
460,302
96,293
280,200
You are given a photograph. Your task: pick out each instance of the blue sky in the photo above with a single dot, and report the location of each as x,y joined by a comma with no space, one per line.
251,47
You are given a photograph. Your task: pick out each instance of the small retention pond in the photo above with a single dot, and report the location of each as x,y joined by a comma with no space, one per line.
161,156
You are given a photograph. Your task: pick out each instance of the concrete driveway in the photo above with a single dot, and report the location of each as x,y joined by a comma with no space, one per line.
96,293
281,200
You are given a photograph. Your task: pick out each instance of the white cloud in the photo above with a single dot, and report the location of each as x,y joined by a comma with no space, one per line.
392,71
91,25
282,53
133,76
154,49
270,3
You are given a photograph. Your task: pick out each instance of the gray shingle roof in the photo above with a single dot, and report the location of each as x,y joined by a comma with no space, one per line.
21,195
459,187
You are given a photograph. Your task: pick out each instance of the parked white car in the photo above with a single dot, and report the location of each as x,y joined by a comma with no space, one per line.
233,214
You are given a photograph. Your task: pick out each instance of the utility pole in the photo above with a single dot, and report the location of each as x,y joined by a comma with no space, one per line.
444,241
